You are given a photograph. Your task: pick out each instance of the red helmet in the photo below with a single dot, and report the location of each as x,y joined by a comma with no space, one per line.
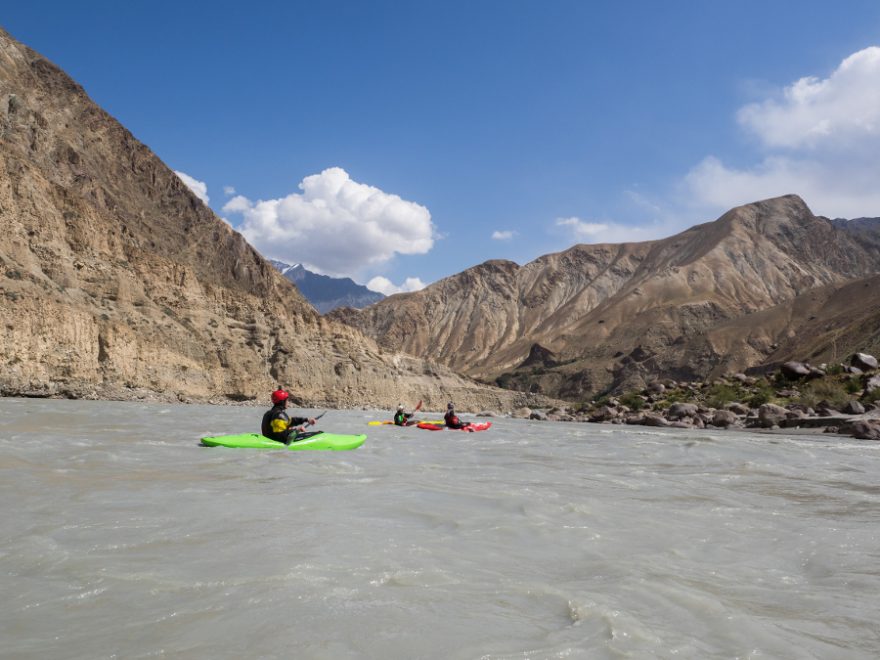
279,395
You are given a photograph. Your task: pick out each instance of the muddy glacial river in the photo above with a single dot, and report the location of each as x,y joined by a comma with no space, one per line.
122,538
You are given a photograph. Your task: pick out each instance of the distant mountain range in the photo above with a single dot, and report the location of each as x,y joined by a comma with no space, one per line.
327,293
766,281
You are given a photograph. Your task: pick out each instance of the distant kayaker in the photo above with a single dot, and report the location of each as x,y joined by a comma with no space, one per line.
401,418
452,420
277,425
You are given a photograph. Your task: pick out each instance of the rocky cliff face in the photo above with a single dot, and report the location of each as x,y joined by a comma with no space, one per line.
617,315
116,281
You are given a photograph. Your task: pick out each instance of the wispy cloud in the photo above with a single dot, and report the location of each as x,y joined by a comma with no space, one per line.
505,235
228,191
582,228
199,188
335,225
583,231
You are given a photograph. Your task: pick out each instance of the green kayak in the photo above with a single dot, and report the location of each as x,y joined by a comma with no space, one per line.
319,440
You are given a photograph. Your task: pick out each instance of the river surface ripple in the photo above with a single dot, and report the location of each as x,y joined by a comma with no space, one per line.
122,538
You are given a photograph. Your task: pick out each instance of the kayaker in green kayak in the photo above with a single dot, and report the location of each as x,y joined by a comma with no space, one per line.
278,425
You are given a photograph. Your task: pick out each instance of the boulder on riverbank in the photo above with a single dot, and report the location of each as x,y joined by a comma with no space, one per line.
864,361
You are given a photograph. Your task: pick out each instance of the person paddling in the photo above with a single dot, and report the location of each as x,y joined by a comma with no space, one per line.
277,425
401,418
452,420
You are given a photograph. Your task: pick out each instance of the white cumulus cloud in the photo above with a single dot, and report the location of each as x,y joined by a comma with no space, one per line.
505,235
335,225
199,188
816,112
820,138
386,286
238,204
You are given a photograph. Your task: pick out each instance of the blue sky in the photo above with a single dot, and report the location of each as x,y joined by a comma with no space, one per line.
395,139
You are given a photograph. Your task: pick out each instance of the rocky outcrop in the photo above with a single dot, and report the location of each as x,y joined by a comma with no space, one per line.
117,282
828,403
725,419
539,356
616,317
863,429
770,415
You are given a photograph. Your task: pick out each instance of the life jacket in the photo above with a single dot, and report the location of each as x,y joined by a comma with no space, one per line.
276,424
452,420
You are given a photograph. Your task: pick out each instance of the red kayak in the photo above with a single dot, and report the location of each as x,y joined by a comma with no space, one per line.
470,428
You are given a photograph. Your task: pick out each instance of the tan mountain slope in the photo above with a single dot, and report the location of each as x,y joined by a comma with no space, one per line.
115,280
590,306
826,324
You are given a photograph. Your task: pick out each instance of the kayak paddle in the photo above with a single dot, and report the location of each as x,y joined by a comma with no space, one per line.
318,417
304,434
